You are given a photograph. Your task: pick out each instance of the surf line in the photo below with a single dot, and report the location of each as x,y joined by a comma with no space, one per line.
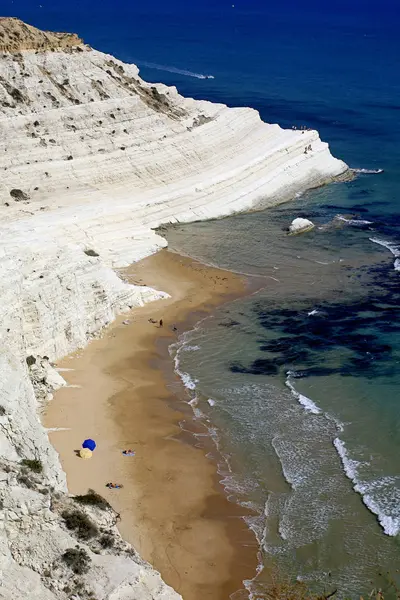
368,171
150,65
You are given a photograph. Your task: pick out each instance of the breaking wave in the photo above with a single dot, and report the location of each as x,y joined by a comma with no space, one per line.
353,221
175,350
394,249
380,496
304,400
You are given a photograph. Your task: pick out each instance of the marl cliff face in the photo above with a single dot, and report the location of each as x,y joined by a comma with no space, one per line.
92,158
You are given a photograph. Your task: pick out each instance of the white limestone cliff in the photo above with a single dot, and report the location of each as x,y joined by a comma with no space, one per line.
92,159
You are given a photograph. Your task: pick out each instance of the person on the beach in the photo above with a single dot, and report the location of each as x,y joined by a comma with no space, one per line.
161,323
113,486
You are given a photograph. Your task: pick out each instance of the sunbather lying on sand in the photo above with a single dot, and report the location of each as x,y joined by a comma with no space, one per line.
128,452
112,486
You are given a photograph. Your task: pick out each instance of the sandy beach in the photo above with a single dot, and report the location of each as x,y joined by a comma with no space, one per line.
123,393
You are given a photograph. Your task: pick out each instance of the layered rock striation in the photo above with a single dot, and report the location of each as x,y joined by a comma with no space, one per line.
92,160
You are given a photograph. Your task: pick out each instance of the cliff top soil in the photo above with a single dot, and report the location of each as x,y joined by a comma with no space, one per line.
15,35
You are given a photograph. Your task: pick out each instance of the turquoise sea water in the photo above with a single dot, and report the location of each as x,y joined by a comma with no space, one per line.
299,384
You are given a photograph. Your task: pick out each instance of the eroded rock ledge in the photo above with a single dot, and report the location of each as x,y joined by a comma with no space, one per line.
92,160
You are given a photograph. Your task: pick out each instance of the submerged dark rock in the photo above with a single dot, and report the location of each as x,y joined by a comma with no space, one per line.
258,367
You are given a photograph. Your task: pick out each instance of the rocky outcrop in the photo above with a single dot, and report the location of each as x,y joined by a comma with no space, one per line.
56,547
300,225
92,160
15,36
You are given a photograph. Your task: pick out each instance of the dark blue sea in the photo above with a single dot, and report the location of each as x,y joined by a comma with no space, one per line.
298,384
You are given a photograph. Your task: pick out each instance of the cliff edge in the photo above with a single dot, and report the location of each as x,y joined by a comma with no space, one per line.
15,36
92,160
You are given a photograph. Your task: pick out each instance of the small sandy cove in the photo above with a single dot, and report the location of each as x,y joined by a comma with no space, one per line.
172,507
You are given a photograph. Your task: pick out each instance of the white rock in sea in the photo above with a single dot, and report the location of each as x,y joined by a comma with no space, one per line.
92,160
300,225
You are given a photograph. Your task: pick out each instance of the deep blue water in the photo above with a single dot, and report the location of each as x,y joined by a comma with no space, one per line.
334,67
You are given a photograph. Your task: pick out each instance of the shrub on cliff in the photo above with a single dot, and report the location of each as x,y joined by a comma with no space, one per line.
30,360
33,464
78,522
26,481
107,541
18,195
92,498
16,95
78,560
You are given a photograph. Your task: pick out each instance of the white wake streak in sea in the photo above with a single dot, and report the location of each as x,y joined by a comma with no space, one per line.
169,69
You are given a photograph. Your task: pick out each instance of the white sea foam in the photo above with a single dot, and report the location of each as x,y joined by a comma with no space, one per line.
199,415
294,477
304,400
313,312
282,531
353,221
182,345
349,465
211,402
389,523
379,495
187,380
169,69
368,171
187,348
394,249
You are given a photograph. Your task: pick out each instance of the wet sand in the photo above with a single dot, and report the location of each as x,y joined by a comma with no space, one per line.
123,393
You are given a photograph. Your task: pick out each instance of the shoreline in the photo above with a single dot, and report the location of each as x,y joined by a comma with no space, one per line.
173,508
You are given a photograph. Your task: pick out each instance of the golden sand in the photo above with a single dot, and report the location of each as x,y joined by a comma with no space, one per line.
172,507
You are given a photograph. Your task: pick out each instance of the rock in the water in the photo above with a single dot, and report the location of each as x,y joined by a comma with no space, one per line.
300,225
